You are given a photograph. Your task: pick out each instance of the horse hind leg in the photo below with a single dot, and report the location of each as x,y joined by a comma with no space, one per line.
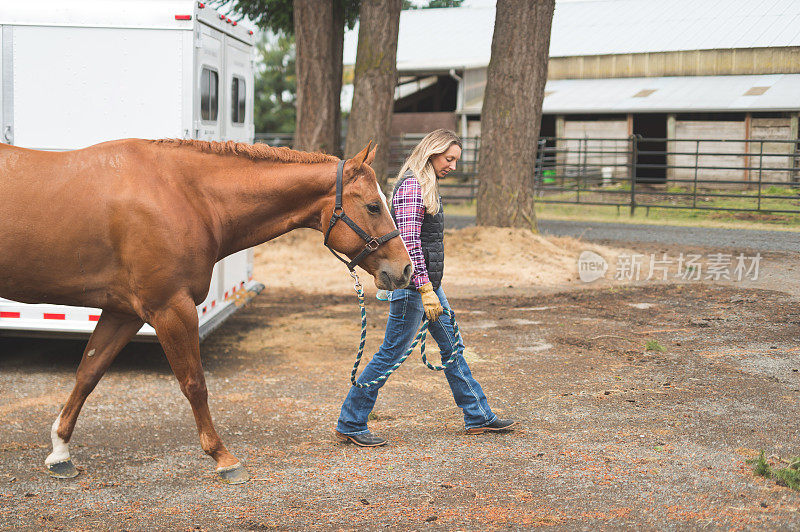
177,330
112,333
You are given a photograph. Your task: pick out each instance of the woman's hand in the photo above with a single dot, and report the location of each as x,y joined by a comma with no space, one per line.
433,307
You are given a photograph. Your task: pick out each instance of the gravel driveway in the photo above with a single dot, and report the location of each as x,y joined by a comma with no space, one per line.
604,233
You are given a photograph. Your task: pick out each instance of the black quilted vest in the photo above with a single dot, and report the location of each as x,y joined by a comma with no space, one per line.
432,237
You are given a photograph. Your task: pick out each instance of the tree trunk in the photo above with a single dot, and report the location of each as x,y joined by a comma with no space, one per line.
317,66
512,111
375,80
337,34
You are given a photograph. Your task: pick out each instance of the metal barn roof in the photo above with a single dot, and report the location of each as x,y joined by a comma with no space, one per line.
440,39
774,92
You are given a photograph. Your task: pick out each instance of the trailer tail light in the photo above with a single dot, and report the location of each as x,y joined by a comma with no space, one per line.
222,17
250,32
228,20
235,23
183,17
201,5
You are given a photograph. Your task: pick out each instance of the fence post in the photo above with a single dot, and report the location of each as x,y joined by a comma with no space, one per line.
696,163
582,150
632,173
760,167
538,174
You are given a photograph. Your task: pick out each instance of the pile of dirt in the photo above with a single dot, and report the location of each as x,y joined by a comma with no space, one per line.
505,257
484,257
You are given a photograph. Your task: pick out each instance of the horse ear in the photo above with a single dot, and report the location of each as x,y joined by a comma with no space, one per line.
358,159
363,155
371,156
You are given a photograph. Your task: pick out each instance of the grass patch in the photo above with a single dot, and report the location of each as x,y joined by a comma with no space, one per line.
661,216
774,190
653,345
788,476
461,208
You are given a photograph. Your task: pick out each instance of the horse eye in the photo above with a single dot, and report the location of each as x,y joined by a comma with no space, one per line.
374,208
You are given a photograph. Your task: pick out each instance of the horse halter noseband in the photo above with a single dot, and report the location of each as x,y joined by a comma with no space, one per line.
338,214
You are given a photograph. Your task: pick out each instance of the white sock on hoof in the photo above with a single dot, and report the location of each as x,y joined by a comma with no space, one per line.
60,447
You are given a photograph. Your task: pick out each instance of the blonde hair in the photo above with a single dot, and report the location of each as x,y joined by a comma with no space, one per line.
419,162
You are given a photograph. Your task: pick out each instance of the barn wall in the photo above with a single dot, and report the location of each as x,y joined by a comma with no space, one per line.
702,130
726,62
601,136
474,86
421,122
772,154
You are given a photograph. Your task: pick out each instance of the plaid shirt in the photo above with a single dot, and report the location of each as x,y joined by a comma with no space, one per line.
409,212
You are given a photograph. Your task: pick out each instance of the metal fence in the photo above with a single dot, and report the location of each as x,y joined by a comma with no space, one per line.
705,174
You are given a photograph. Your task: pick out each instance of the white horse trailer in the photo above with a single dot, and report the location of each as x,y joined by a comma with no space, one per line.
85,71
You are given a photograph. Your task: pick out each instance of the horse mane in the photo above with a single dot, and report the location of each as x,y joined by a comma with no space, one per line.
253,151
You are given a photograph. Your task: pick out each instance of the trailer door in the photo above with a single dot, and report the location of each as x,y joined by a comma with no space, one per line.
238,105
209,72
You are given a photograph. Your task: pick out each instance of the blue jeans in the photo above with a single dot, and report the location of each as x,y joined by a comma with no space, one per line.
405,316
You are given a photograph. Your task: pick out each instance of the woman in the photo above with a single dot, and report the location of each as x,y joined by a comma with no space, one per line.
417,210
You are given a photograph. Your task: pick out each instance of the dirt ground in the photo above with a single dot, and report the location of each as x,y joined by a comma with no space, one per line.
610,435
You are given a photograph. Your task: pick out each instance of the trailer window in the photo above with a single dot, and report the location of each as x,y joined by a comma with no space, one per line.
238,93
209,82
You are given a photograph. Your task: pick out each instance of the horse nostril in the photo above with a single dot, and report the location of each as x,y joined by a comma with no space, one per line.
407,272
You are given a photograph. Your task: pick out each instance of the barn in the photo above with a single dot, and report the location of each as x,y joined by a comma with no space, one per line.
719,75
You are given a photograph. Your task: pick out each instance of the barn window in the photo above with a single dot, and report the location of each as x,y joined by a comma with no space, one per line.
209,82
238,93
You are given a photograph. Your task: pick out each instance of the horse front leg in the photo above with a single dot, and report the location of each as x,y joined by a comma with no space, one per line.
177,328
112,332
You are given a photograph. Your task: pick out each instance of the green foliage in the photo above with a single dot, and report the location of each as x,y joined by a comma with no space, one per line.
432,4
276,82
761,467
774,190
274,15
787,476
653,345
276,86
278,15
443,3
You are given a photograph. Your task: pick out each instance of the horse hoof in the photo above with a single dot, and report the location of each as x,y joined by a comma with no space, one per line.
235,474
65,469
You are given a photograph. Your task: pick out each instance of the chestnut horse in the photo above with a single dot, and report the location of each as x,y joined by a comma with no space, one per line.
139,225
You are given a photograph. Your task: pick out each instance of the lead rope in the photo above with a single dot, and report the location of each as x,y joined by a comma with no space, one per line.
419,338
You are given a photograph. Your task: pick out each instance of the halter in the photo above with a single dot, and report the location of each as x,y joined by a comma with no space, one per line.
338,214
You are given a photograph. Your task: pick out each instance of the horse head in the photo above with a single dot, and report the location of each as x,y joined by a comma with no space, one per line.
365,205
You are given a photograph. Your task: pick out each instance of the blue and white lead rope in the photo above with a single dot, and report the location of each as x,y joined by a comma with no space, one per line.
421,335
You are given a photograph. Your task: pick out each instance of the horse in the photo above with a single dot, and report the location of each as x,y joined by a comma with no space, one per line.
139,226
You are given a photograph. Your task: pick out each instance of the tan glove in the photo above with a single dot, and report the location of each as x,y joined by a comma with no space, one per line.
433,307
